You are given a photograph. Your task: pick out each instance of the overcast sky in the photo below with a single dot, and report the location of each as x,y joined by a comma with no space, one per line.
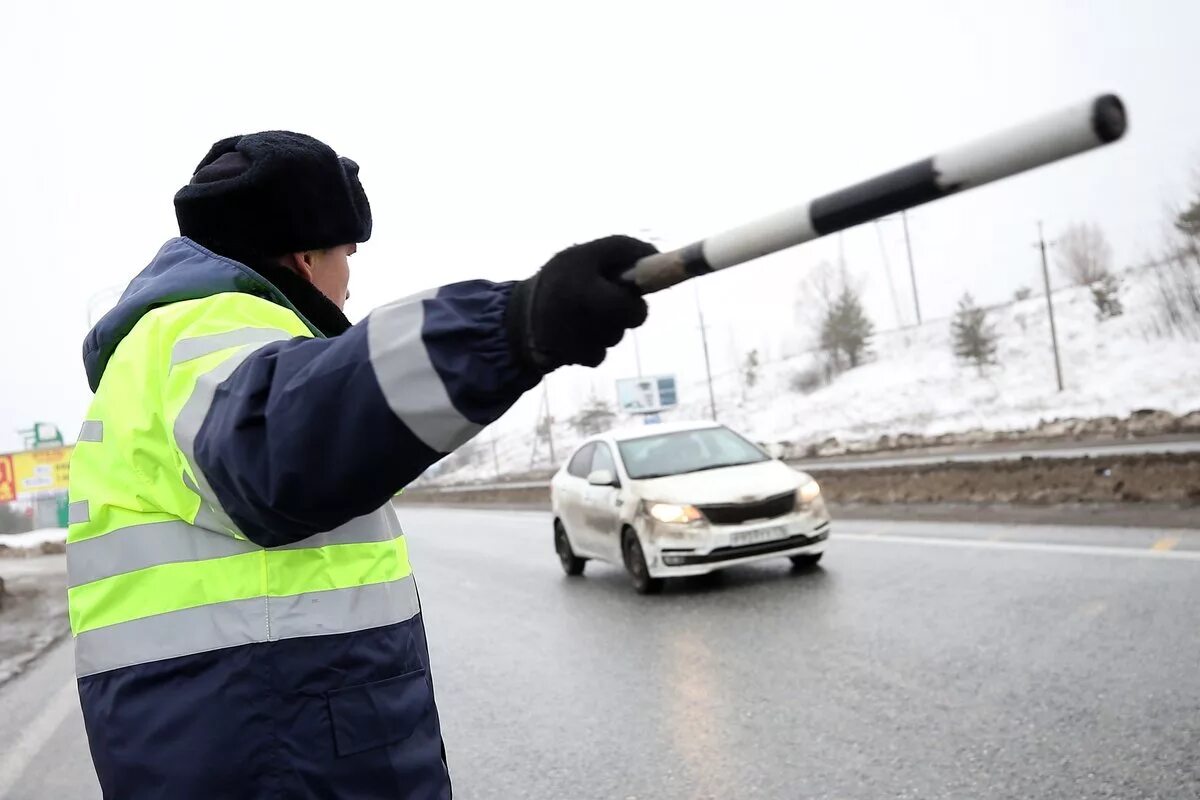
492,134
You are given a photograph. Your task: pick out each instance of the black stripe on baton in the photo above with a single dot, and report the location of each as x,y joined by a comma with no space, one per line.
884,194
692,259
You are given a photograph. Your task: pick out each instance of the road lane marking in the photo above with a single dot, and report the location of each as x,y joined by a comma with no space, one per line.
16,757
1039,547
1166,543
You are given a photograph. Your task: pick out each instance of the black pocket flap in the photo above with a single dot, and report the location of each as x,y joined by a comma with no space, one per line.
375,714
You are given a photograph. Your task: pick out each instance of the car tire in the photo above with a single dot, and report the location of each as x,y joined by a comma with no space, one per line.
635,563
806,561
572,564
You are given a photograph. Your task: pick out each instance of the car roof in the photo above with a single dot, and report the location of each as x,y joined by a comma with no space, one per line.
641,431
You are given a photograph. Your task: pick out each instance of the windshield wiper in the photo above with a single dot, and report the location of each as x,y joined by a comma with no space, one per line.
723,465
654,475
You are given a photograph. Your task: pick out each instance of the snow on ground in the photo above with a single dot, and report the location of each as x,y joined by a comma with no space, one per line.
914,384
30,539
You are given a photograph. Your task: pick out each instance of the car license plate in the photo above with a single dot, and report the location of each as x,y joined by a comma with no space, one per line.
759,535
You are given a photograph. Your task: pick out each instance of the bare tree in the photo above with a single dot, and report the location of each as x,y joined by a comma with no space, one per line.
597,416
750,367
817,294
1177,273
1084,254
830,301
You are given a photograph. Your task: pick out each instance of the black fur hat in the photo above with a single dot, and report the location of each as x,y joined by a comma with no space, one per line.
271,193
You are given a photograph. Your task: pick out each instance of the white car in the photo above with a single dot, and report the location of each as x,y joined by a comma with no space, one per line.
682,499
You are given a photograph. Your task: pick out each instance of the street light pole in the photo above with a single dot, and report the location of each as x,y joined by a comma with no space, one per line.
1041,244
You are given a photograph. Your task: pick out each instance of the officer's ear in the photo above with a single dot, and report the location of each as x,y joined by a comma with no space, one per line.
303,264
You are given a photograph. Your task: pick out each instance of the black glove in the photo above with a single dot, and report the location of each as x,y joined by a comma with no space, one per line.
576,306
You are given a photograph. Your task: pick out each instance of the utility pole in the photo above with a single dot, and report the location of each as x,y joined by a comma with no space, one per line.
543,415
637,353
1041,243
912,272
887,269
712,398
549,420
495,457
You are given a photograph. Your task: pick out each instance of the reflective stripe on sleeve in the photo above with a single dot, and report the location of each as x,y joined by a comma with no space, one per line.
410,384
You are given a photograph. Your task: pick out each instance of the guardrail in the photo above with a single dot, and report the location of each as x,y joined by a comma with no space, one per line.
481,487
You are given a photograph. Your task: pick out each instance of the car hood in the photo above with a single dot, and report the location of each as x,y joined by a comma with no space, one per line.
739,484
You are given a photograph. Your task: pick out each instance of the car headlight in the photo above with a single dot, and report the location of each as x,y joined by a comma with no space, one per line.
807,493
672,512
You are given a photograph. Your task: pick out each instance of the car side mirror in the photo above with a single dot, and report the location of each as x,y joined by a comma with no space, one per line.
602,477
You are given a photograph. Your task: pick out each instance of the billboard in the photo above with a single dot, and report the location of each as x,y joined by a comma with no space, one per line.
8,480
647,395
36,471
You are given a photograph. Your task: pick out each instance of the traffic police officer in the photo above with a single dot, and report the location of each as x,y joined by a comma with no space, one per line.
245,616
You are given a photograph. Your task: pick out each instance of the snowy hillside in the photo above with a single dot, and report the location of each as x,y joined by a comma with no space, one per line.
913,383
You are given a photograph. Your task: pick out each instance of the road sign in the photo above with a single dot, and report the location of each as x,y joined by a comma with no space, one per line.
647,395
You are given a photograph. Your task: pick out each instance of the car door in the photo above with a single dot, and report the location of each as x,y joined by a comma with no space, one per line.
571,495
602,508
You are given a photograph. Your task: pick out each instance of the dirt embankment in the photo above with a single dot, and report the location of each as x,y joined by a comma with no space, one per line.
1159,479
1138,425
1151,478
33,611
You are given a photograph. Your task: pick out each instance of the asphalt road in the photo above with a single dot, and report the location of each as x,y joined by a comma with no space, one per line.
924,660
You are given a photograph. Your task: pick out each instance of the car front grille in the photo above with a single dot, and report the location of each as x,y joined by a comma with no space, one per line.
737,513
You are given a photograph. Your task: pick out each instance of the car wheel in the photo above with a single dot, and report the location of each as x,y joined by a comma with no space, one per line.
806,560
635,562
571,563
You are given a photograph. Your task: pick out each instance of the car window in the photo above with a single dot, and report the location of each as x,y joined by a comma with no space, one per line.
602,459
581,464
687,451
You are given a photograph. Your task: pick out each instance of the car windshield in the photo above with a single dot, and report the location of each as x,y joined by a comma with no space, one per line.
686,451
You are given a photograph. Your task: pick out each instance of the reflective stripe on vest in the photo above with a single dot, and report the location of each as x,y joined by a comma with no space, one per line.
239,622
159,543
197,346
130,587
195,409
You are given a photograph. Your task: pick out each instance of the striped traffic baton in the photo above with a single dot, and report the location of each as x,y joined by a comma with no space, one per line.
1045,140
